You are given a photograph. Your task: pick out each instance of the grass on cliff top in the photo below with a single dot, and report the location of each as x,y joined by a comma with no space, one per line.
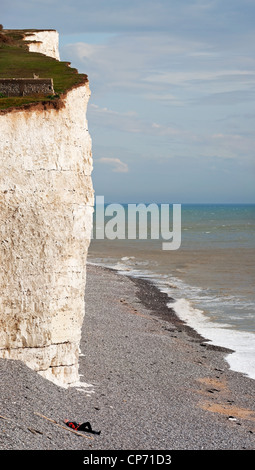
17,62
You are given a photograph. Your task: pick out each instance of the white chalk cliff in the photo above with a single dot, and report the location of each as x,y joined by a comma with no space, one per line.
46,206
45,42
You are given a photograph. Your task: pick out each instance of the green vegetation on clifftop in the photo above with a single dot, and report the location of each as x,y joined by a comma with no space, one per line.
17,62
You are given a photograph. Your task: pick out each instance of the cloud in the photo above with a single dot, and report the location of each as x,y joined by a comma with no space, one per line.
99,15
173,141
212,17
131,61
236,145
118,165
129,122
165,98
110,112
204,144
177,78
164,68
228,98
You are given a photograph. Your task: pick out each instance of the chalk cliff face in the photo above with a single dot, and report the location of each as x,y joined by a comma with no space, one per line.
45,42
46,205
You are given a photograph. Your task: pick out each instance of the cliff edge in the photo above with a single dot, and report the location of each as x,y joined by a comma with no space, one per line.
46,200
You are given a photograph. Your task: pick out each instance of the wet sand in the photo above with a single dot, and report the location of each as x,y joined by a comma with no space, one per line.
152,382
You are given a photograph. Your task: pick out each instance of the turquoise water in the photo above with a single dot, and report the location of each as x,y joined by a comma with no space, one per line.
211,276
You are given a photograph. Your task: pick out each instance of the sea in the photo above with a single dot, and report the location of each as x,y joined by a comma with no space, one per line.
211,276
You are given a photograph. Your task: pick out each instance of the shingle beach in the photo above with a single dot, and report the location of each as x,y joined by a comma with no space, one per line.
152,382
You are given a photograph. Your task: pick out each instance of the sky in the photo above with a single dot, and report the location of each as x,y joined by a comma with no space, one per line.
171,113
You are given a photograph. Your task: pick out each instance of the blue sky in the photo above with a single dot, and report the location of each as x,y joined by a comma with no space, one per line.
172,111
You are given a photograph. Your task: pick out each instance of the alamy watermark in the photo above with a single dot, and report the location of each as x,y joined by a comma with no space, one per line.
130,221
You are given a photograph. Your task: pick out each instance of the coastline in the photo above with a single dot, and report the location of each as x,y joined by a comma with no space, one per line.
239,344
152,382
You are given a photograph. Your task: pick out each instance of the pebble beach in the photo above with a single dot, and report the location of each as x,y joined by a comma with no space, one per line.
148,382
